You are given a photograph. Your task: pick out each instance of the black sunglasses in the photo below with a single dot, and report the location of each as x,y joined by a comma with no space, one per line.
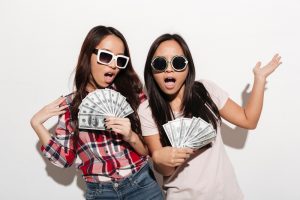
105,57
160,63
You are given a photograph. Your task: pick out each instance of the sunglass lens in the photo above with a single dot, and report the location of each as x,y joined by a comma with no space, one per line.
105,57
179,63
159,64
121,62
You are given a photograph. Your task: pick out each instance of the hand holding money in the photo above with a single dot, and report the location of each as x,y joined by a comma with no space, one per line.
189,132
100,104
171,156
119,125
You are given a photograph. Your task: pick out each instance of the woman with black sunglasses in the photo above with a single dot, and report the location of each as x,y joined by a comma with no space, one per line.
114,162
205,173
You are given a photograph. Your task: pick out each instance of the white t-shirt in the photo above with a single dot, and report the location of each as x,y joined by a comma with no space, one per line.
208,174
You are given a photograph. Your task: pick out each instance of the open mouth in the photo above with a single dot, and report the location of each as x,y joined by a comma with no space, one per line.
170,83
109,74
109,77
170,80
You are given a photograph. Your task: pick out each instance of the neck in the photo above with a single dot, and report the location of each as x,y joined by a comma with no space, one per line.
90,87
176,100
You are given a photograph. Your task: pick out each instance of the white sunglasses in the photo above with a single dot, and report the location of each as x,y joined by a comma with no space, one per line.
106,57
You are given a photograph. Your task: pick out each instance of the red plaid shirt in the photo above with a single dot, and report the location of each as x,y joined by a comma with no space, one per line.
104,155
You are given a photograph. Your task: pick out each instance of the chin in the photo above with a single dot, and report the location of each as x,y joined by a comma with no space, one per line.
170,92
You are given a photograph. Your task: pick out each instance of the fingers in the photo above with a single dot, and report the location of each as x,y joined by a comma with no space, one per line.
177,162
185,150
174,162
180,155
276,59
115,128
274,63
58,101
62,107
60,110
266,70
117,121
54,110
275,56
59,113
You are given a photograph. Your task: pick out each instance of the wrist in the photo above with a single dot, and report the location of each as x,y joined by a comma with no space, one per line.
260,78
132,139
154,157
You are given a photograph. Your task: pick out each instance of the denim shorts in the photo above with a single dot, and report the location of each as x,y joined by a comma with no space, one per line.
139,186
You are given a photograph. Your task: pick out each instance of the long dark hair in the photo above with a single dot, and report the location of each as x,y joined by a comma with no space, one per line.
196,100
126,82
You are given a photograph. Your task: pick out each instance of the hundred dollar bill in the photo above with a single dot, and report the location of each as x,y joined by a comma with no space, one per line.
175,129
168,131
91,121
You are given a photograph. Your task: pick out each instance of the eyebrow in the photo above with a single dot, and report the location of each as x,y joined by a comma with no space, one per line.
112,52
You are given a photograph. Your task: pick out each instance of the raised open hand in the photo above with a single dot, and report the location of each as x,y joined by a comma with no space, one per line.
265,71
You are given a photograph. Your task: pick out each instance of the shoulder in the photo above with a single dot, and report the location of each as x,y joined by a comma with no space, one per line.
217,94
144,108
209,85
147,122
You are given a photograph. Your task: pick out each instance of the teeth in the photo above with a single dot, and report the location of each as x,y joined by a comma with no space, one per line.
108,74
169,79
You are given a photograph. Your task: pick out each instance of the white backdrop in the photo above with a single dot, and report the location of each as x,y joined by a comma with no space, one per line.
40,43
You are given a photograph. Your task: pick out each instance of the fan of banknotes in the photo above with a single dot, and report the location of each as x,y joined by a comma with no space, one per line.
189,132
99,104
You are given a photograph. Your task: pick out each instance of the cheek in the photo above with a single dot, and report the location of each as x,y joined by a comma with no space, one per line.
94,66
117,71
96,70
158,78
184,74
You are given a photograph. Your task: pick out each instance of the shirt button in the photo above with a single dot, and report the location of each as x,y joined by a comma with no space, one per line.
116,185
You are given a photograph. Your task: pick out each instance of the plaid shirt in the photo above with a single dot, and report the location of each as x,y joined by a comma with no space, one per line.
104,155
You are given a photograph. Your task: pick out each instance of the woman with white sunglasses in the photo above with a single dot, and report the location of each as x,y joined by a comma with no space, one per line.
204,173
114,162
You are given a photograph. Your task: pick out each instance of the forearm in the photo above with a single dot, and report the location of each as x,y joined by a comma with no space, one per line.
43,134
254,105
59,155
138,145
161,168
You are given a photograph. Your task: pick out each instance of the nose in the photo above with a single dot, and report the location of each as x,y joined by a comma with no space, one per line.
169,67
113,63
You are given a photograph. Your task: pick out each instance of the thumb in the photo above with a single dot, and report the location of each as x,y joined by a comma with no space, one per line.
257,66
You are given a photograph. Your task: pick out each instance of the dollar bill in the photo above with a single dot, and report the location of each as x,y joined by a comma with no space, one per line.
189,132
168,131
91,121
99,104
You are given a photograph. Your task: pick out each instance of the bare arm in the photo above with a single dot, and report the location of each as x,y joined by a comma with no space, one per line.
166,159
43,115
248,116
